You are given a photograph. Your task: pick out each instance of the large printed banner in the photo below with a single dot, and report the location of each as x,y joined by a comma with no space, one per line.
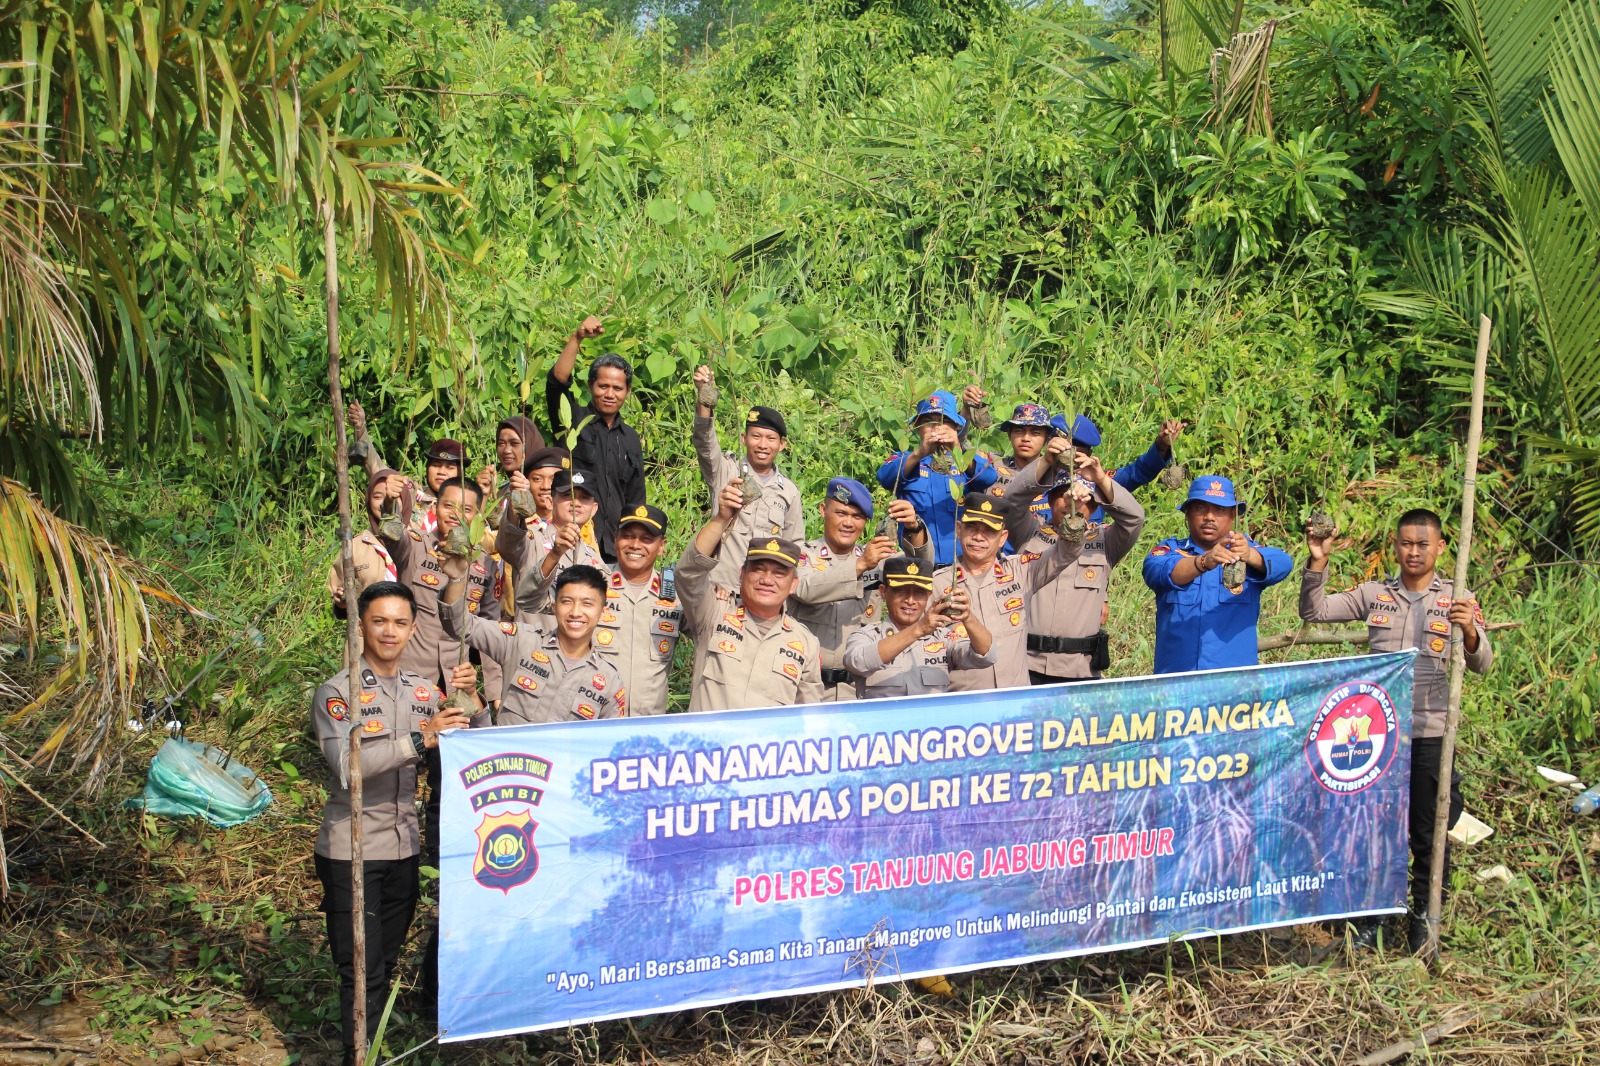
596,870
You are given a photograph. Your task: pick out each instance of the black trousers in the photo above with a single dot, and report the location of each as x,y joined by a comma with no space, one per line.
1036,678
1426,753
391,901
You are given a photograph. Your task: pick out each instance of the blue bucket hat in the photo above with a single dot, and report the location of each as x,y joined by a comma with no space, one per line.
943,405
852,493
1027,415
1212,489
1083,431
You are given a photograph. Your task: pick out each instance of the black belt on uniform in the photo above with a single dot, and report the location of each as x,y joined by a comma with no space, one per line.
836,677
1097,647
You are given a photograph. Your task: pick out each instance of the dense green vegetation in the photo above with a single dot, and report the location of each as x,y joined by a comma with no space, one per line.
842,205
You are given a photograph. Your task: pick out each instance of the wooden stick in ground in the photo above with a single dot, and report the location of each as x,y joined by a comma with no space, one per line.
352,635
1458,655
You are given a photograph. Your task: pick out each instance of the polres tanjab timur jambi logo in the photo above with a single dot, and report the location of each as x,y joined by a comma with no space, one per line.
506,856
1353,737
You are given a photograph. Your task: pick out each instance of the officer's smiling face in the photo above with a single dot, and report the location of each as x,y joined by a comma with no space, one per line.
905,604
456,506
1028,441
539,484
764,585
638,548
386,626
578,610
842,523
979,543
1208,523
762,445
575,507
510,449
439,472
609,390
376,496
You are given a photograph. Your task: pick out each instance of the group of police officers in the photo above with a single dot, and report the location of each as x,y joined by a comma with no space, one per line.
991,576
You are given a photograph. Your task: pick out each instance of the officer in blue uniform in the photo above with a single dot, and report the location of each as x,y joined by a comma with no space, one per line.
1201,624
916,475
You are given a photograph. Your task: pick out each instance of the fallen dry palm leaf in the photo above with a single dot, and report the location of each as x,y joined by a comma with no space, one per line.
62,582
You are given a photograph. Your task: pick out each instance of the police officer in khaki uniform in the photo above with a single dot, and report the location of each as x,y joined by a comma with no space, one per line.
1065,638
777,512
838,573
1000,588
395,716
1416,608
643,618
748,650
539,560
916,645
417,559
558,676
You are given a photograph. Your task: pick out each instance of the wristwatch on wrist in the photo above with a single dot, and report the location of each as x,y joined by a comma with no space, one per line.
418,745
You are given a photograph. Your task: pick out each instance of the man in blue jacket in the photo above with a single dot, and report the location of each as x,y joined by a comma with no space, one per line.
925,476
1201,623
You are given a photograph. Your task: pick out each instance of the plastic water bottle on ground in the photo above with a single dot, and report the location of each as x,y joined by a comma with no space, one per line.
1587,802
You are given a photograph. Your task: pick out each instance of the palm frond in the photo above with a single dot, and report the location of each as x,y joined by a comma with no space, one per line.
1191,30
1241,82
1510,40
62,583
1572,112
1547,235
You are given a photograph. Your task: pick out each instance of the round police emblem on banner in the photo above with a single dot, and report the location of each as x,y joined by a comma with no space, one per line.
1353,737
506,856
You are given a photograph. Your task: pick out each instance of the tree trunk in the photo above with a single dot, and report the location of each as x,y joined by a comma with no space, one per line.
352,633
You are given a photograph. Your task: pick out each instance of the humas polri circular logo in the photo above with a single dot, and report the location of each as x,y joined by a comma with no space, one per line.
1353,737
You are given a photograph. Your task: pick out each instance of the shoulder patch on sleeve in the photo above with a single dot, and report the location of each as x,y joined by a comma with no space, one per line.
1160,549
337,708
414,534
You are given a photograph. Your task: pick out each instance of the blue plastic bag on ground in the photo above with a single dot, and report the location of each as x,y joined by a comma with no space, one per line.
189,780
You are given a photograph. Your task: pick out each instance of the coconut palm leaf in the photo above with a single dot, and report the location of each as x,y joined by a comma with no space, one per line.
1547,235
1511,41
61,582
1572,112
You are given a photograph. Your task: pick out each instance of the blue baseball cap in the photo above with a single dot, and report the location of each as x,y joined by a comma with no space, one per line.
1212,489
1027,414
851,492
1083,431
941,404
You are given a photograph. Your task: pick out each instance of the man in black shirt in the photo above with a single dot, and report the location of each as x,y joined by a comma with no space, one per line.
607,447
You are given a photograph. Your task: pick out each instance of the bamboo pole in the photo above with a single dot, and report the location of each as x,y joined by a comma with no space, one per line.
352,635
1458,655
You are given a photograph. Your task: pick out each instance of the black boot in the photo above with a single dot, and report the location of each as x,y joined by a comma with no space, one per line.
1364,933
1417,934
